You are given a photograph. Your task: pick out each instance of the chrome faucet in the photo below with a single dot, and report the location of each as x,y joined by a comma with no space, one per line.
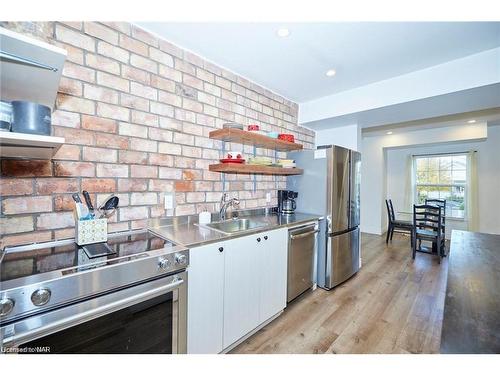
224,204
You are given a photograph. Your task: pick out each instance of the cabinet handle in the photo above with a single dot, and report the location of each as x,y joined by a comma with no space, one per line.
265,237
221,249
294,236
258,239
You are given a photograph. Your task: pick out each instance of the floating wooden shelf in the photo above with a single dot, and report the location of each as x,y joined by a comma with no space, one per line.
253,139
20,145
253,169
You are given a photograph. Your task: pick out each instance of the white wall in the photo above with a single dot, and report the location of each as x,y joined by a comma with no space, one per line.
375,184
461,74
346,136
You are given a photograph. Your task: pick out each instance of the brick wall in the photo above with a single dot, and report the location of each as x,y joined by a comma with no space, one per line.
136,112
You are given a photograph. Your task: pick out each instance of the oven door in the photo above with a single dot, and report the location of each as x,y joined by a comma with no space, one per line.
146,318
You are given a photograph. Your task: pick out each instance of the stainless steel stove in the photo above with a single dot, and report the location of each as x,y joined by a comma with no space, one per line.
64,298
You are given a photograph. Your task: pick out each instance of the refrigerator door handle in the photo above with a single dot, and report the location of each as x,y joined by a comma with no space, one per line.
329,224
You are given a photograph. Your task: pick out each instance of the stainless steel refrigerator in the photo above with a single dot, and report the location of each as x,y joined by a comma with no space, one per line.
330,186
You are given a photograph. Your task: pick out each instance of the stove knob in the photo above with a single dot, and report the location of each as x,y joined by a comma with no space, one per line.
163,263
6,306
180,259
40,296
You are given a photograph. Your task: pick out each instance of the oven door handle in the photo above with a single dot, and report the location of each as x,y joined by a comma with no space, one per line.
60,324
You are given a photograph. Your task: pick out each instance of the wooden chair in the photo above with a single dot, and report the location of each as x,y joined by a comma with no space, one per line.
401,226
428,226
440,203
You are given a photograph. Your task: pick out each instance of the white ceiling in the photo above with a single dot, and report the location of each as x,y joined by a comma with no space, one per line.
360,52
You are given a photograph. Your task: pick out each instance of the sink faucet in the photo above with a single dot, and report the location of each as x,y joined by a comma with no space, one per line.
224,204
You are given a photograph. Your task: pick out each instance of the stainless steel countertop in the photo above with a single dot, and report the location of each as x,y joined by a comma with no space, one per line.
187,232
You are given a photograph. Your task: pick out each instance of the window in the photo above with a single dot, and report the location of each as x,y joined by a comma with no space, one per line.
442,177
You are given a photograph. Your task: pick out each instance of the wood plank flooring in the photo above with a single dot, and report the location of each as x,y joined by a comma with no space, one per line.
393,305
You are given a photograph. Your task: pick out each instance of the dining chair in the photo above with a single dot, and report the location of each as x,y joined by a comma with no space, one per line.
441,203
402,226
428,226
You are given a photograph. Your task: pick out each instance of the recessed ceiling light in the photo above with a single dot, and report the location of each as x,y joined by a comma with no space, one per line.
388,133
471,122
283,32
331,72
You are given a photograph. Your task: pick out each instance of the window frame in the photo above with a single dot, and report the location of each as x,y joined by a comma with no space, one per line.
464,185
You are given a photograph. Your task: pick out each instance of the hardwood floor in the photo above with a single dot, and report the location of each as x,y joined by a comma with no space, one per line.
393,305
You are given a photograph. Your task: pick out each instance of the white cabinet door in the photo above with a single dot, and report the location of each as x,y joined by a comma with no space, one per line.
241,288
273,255
205,299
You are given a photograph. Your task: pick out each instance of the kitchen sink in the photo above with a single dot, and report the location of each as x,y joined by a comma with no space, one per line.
236,225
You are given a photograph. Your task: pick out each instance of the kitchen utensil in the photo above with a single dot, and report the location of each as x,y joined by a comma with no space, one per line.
234,155
287,137
82,212
31,118
109,207
235,161
88,201
253,127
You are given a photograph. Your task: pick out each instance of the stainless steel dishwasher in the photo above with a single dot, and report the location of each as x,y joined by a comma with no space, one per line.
301,246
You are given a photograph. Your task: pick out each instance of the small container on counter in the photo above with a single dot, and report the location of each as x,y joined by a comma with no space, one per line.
204,217
91,231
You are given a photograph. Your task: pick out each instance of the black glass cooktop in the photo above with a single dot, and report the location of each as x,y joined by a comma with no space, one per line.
17,264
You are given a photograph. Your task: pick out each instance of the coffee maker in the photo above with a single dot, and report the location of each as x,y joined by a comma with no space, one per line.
286,201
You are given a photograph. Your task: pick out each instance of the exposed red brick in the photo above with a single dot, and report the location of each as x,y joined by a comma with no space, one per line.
111,141
56,185
75,104
66,168
189,174
133,213
15,224
15,186
26,168
75,136
112,170
23,205
161,185
78,72
70,86
143,171
99,154
132,184
133,45
99,185
64,202
68,152
99,124
161,159
101,32
55,220
132,157
184,186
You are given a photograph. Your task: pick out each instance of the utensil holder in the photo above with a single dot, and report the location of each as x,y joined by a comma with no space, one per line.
91,231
